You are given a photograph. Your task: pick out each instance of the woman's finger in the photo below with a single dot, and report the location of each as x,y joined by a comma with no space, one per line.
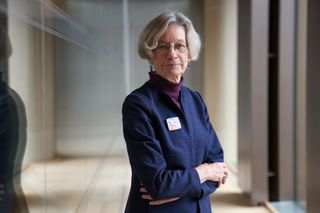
162,201
146,197
144,190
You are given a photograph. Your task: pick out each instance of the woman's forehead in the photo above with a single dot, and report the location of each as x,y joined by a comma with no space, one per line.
173,33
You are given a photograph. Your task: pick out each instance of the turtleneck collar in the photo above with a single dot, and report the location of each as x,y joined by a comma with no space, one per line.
167,87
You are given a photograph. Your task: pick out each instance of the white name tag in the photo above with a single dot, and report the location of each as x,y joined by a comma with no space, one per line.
173,123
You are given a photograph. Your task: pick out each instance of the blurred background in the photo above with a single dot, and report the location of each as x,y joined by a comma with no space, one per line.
74,61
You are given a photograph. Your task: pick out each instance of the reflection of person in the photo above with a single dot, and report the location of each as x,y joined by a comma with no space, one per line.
12,139
175,155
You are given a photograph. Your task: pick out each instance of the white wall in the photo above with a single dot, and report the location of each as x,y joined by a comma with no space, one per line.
220,72
30,74
89,77
68,69
91,83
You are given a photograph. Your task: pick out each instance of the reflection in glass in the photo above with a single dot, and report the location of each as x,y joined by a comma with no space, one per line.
68,67
13,124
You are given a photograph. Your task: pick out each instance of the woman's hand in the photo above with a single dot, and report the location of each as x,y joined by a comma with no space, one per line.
146,196
217,172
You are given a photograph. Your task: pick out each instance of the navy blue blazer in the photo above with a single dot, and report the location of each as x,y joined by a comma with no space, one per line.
164,161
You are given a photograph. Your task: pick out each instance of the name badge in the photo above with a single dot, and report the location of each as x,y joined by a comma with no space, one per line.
173,123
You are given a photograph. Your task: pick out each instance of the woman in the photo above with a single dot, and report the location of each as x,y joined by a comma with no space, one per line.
175,155
13,131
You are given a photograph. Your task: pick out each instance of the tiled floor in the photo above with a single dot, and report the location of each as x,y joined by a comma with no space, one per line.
289,206
228,199
101,185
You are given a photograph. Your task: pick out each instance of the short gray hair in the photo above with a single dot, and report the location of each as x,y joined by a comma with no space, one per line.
148,38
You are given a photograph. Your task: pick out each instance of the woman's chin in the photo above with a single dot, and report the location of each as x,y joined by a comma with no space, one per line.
177,71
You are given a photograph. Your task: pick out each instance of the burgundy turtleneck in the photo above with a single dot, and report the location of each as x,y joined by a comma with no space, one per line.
167,87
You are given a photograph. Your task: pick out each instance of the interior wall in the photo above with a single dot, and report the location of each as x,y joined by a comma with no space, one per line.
91,78
30,74
220,72
73,79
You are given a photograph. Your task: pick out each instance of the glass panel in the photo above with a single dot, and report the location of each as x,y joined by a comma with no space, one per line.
89,89
68,68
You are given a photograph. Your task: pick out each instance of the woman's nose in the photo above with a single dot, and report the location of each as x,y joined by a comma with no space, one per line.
172,52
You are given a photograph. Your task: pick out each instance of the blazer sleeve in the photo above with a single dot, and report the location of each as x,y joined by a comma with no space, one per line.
215,153
146,157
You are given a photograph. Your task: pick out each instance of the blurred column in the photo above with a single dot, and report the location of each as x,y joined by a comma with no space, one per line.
253,98
301,57
286,98
313,106
220,72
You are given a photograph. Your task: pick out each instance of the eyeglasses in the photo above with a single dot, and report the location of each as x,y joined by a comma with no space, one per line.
178,47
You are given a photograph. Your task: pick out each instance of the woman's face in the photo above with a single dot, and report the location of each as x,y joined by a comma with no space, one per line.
171,56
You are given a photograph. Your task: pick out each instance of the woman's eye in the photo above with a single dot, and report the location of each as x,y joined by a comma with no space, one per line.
162,47
180,46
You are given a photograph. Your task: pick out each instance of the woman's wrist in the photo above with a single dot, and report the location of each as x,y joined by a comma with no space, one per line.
203,172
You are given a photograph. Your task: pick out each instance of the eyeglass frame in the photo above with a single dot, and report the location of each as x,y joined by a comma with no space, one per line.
163,47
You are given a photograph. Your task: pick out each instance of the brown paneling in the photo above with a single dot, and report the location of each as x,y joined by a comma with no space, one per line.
313,107
286,98
253,98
